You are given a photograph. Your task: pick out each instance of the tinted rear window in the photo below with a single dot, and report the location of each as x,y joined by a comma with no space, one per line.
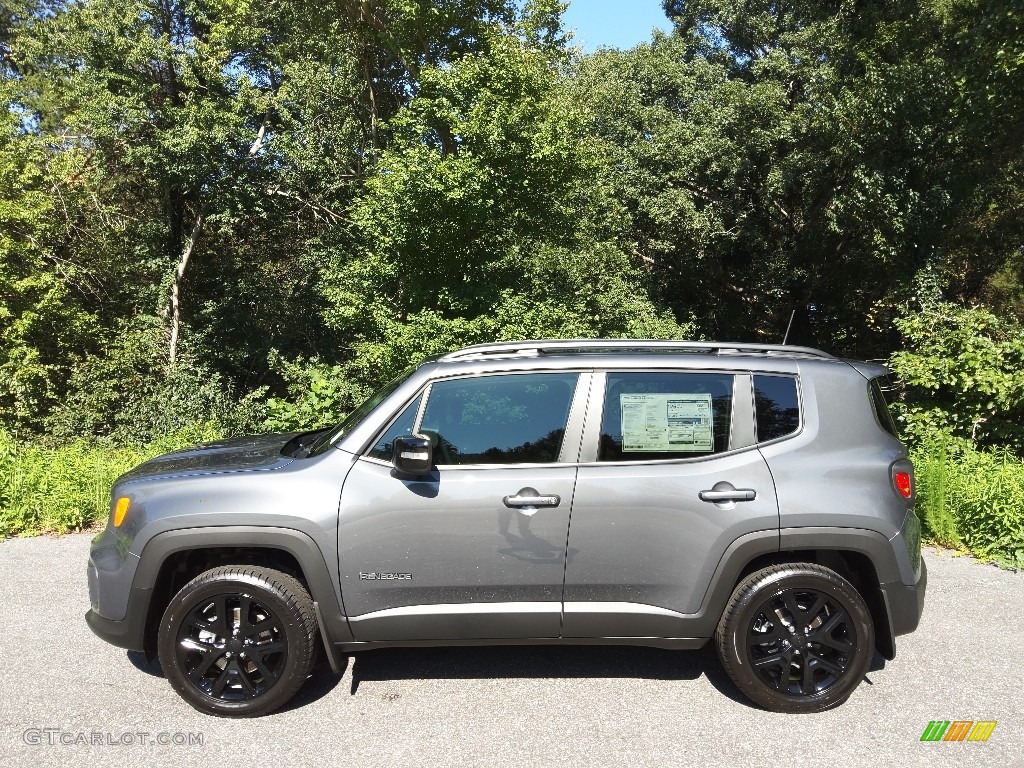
778,407
880,406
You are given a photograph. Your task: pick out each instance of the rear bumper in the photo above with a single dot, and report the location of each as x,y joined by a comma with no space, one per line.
905,603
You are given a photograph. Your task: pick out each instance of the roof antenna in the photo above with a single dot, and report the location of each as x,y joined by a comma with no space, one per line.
791,316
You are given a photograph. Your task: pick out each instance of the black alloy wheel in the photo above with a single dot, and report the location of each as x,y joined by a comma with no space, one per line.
232,647
796,638
801,642
238,641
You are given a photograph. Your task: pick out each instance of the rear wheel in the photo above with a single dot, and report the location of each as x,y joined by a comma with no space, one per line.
796,638
238,641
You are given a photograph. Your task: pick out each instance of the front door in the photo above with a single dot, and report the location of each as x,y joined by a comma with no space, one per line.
477,549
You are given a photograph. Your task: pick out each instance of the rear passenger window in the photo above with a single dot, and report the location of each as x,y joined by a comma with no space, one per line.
778,407
651,416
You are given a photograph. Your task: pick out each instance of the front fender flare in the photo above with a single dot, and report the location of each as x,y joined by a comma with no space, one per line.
299,545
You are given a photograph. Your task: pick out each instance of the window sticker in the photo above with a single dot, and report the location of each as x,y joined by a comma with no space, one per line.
667,423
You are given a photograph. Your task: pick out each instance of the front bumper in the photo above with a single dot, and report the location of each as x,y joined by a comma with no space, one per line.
111,571
129,633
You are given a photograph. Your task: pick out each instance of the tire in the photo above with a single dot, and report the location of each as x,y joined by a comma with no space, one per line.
796,638
238,641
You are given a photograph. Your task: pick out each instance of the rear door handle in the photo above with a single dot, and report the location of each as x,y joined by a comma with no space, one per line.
736,494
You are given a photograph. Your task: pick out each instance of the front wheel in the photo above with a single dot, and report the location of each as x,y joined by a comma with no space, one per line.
238,641
796,638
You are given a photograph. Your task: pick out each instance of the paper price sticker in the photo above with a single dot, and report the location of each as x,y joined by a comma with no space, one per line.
667,423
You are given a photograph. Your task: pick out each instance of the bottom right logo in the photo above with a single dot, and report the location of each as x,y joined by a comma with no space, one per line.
958,730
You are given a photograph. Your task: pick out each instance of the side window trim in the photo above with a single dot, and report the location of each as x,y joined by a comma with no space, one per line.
399,412
744,424
595,412
418,421
576,423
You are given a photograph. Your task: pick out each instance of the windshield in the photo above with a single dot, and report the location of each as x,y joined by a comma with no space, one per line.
335,434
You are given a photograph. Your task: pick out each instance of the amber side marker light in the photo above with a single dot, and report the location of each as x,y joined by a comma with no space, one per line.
903,484
120,510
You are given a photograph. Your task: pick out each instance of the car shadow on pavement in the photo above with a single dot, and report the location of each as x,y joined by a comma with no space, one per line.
139,661
584,661
520,661
513,661
320,683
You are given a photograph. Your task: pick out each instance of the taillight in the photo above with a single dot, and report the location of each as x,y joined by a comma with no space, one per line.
904,484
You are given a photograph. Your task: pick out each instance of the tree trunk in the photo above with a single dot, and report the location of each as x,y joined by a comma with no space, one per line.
186,253
190,245
372,94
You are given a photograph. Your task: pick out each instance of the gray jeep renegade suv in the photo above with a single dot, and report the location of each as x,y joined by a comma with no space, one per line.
632,492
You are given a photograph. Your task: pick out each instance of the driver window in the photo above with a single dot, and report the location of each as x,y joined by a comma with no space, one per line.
507,419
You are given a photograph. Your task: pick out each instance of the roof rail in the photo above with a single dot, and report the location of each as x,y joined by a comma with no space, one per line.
593,346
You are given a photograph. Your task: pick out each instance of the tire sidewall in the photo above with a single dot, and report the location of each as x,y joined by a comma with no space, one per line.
201,590
754,595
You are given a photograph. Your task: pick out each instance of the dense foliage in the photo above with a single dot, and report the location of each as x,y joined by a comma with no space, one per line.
971,498
224,216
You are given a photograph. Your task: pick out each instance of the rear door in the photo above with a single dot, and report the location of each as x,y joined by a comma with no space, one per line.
476,550
669,478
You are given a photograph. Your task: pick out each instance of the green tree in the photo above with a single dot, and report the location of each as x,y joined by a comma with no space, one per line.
984,45
286,196
962,370
486,220
215,149
779,161
46,292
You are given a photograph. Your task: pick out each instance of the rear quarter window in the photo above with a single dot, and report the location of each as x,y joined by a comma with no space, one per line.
778,407
876,391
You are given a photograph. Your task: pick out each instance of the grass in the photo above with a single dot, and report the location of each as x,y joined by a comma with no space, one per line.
971,499
968,499
59,489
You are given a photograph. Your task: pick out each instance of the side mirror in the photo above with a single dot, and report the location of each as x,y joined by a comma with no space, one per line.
413,455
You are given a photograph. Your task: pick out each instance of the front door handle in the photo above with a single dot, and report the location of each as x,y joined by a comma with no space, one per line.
519,501
528,501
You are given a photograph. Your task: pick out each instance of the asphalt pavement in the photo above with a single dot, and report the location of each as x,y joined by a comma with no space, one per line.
67,698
